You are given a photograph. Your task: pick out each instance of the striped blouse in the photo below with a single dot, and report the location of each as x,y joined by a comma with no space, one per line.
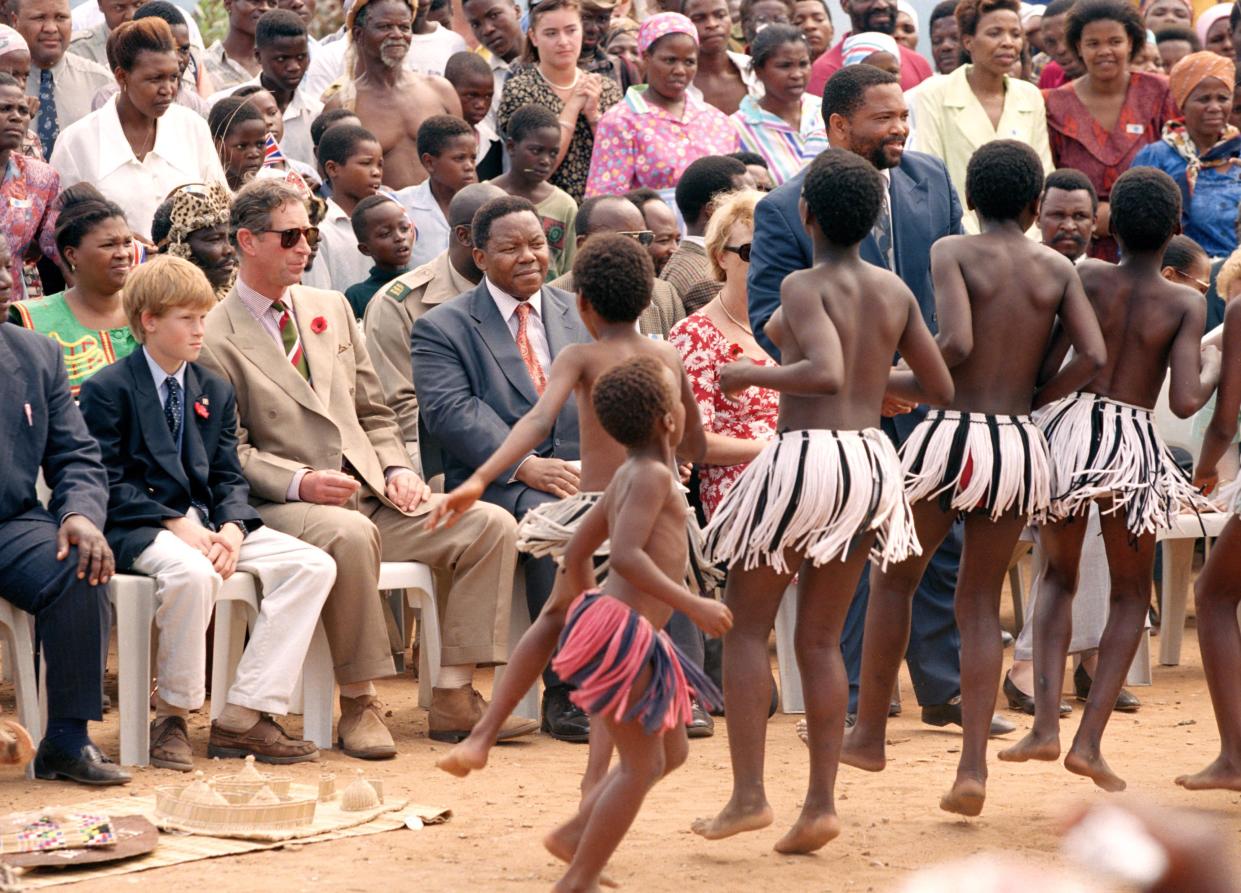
787,150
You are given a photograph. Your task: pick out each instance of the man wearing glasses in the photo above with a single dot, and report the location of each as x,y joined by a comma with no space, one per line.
326,463
616,214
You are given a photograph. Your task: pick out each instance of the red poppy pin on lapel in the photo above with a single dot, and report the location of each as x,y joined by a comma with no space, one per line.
318,325
200,407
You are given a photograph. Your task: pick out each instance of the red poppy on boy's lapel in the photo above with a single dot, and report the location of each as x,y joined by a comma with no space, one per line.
200,407
318,325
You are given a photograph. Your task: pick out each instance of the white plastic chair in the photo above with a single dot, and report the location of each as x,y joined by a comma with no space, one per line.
237,611
791,698
1177,545
18,632
518,623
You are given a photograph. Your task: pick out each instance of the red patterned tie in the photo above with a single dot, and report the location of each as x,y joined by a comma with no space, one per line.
528,356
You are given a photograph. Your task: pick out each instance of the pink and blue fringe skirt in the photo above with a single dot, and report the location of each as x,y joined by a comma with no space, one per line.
604,647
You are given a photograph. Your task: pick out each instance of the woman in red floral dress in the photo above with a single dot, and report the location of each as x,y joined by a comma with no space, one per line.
737,427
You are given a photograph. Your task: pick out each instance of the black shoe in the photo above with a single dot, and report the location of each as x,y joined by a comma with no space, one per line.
894,707
1022,702
90,765
562,719
775,700
700,725
950,714
1126,701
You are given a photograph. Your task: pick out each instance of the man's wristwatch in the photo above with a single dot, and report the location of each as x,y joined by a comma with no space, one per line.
245,530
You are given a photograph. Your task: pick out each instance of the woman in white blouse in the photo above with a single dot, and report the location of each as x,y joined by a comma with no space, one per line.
955,114
141,145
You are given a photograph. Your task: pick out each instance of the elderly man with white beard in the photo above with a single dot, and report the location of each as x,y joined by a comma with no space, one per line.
391,101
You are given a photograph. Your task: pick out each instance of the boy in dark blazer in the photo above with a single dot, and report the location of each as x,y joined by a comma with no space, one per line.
179,511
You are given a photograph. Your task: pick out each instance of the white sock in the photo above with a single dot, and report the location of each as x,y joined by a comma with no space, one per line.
236,718
357,689
456,676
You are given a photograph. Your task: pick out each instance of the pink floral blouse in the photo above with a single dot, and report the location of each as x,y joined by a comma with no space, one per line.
751,415
640,144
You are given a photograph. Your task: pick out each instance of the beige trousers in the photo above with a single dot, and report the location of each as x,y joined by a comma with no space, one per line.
477,554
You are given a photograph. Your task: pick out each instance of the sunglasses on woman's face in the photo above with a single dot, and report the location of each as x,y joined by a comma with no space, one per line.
742,251
289,237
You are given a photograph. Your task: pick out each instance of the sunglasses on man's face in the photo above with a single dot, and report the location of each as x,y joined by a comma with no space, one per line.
742,251
290,237
643,237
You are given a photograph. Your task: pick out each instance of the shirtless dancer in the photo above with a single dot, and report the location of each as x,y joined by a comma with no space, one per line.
1105,446
824,496
998,296
389,99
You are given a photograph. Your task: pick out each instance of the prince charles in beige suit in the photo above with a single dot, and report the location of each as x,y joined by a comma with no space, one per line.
326,463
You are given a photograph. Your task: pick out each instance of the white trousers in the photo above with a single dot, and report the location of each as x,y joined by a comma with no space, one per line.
293,580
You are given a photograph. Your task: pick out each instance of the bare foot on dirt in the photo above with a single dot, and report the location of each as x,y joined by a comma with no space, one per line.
1095,768
869,756
1222,774
464,758
966,797
732,820
562,843
1032,748
16,747
812,832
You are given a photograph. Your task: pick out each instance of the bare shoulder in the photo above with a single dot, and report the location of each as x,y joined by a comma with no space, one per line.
886,286
950,247
440,85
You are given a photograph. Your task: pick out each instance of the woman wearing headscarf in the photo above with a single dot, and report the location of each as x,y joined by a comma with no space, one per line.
906,33
192,224
1202,151
1214,29
660,127
1160,14
872,48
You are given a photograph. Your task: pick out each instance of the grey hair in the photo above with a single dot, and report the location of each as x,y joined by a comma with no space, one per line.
254,203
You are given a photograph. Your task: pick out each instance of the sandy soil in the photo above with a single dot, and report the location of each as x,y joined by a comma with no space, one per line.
892,824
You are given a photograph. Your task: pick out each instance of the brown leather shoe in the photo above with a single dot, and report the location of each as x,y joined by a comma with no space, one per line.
266,740
455,711
361,732
170,744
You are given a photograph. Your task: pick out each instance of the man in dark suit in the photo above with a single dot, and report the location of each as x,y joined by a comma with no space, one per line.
480,363
180,513
54,561
866,114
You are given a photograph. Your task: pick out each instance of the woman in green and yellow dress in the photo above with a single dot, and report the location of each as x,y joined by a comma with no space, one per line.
87,320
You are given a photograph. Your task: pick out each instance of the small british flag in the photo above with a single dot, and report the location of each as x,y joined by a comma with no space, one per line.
271,152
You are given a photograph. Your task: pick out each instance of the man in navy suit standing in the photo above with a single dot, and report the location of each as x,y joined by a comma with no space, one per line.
866,114
480,363
54,561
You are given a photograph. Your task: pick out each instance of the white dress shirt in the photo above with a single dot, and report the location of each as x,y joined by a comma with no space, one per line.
160,377
303,108
535,331
339,256
75,80
431,226
95,150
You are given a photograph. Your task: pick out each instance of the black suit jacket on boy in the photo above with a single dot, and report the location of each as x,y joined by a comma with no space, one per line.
149,482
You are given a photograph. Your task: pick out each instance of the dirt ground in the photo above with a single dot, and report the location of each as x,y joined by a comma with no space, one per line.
892,824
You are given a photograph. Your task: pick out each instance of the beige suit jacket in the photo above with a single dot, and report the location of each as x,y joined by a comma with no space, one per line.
388,321
284,423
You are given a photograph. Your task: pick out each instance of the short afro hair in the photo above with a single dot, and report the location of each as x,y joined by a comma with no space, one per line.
846,89
341,141
970,12
844,193
1172,33
1003,178
1086,12
529,118
361,229
630,398
615,276
639,196
750,158
320,125
463,65
1146,209
228,113
160,9
494,210
277,24
436,132
1069,179
702,181
771,39
1181,254
945,9
1057,8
